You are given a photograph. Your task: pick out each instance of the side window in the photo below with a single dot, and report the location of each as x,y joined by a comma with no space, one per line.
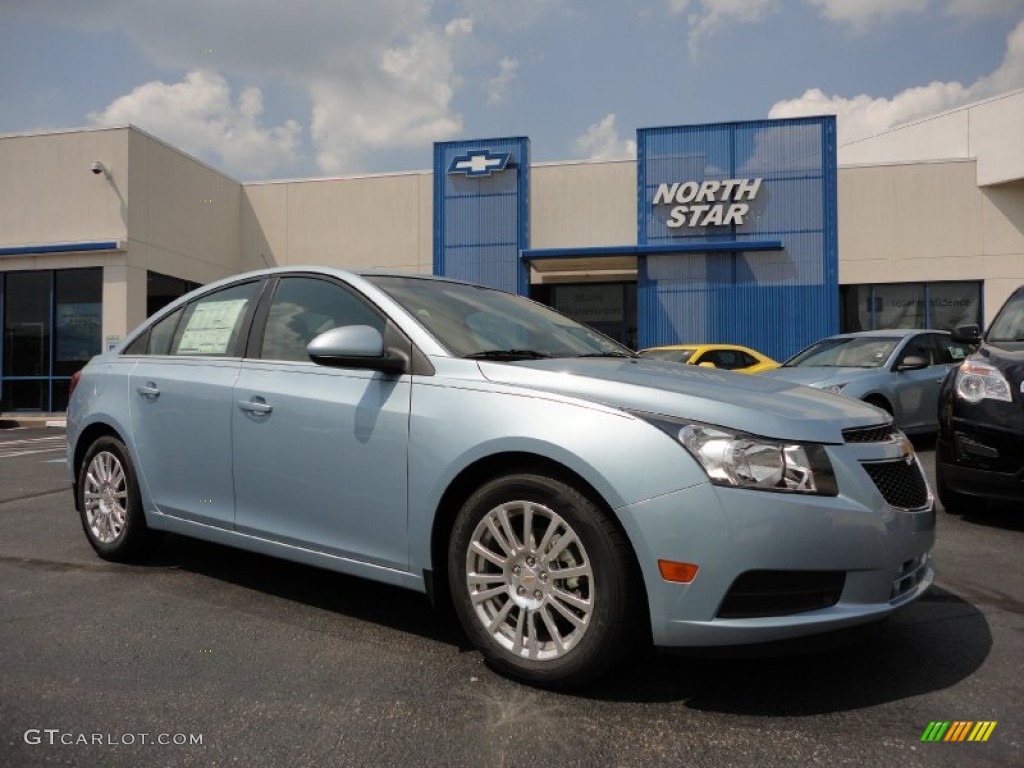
212,325
305,307
920,346
725,359
746,361
947,351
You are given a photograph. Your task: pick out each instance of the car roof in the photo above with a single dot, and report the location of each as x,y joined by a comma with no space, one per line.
885,333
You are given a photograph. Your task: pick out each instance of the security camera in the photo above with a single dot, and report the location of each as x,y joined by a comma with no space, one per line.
98,167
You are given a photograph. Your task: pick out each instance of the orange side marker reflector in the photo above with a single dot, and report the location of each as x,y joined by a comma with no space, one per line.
683,573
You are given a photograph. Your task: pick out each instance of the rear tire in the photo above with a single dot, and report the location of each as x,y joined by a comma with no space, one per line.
543,582
109,502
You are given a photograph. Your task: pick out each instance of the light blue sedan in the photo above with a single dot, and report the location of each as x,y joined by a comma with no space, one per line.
899,371
568,497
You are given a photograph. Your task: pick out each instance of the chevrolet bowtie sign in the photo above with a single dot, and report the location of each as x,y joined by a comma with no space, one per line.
479,162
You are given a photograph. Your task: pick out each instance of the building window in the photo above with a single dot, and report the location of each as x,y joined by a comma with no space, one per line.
51,323
609,308
910,305
161,290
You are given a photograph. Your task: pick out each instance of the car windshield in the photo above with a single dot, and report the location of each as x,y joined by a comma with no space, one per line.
855,352
483,323
1009,323
674,355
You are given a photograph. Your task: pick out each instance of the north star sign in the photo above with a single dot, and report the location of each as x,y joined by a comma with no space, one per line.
707,203
479,162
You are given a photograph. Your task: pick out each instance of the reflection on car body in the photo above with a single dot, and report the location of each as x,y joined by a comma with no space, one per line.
899,371
455,439
727,357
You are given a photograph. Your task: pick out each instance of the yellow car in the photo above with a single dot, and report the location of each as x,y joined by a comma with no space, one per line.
729,357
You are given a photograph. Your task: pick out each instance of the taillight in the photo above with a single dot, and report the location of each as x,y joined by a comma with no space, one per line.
74,383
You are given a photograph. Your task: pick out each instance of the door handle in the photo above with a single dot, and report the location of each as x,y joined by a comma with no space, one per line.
149,390
255,407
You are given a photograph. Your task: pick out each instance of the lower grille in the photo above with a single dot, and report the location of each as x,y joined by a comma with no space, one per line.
901,483
781,593
911,574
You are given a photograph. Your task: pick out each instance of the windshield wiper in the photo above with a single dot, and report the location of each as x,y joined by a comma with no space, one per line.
506,354
608,354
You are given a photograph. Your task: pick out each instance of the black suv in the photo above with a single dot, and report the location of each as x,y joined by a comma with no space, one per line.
979,453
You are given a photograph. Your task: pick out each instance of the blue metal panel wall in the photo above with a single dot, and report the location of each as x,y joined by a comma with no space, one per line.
481,216
775,301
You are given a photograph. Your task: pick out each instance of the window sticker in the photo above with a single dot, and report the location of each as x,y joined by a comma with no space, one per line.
210,326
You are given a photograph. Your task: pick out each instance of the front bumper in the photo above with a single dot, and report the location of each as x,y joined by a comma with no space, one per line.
875,558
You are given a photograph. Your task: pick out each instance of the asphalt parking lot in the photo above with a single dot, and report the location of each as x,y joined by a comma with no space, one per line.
237,659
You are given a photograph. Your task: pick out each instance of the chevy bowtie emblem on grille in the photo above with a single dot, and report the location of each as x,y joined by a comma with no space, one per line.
479,162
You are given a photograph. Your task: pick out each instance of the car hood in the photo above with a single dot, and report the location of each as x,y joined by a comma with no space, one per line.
764,406
819,376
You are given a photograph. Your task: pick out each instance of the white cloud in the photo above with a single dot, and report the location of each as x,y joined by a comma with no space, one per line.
377,75
862,13
197,114
408,107
601,142
708,15
863,115
498,86
984,7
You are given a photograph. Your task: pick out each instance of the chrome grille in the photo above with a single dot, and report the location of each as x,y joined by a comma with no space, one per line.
877,434
900,482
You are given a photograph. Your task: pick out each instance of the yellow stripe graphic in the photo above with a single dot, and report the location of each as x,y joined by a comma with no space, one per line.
982,730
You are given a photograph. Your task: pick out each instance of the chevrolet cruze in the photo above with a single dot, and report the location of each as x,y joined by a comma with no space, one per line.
567,497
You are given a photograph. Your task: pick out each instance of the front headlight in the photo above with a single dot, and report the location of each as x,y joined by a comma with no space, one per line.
743,460
977,381
835,389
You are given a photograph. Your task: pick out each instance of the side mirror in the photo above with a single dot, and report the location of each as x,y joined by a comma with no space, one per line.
912,363
967,334
355,346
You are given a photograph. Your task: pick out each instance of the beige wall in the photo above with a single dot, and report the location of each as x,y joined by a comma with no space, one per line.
582,205
48,194
363,222
183,217
989,131
930,221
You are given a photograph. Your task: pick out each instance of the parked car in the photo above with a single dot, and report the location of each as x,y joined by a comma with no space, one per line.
979,452
728,357
899,371
464,442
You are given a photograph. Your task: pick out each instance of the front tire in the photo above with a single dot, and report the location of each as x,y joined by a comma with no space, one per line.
109,502
543,582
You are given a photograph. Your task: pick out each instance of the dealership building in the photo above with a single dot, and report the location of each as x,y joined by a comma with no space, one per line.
763,233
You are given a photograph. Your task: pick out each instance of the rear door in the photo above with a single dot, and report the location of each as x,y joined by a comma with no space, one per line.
181,405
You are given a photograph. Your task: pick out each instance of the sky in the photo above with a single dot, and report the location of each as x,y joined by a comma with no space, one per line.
310,88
